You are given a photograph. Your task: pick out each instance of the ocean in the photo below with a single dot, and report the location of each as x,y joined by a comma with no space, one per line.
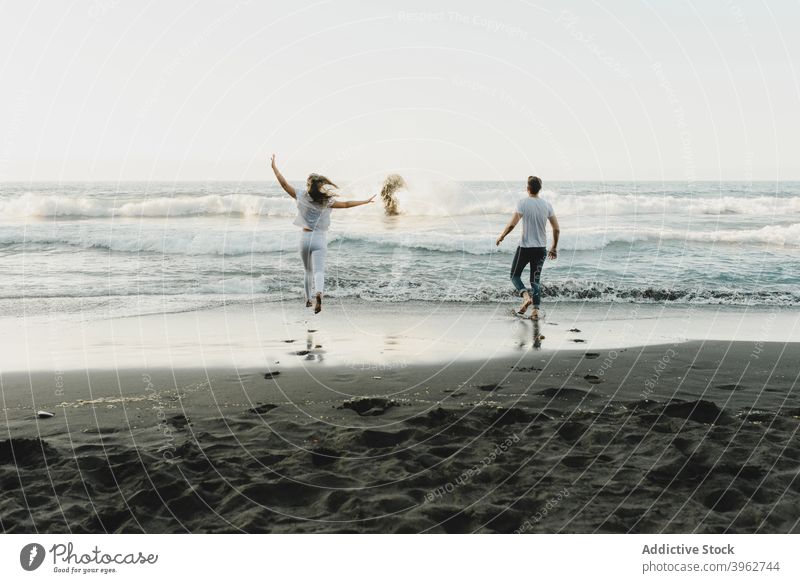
100,249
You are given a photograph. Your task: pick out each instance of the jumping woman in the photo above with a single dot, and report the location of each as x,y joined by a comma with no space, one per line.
314,206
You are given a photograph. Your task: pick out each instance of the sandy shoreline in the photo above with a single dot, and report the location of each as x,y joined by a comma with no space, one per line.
363,334
679,437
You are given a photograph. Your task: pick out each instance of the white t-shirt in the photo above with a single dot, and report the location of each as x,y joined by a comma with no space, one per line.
312,215
535,211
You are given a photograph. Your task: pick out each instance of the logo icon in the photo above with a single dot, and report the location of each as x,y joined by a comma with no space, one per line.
31,556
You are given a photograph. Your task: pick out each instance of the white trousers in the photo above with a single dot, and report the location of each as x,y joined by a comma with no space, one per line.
313,248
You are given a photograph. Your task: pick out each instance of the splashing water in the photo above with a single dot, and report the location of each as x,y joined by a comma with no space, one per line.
391,185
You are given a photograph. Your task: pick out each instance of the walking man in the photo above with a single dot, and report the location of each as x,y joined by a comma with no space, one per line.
535,212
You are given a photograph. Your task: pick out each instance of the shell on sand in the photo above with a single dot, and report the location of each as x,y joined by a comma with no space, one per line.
392,184
44,414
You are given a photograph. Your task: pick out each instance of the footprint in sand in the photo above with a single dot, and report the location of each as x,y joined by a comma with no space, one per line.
490,387
271,375
725,500
323,456
563,393
179,421
573,330
288,341
369,406
263,408
701,411
302,352
593,378
581,340
592,355
384,439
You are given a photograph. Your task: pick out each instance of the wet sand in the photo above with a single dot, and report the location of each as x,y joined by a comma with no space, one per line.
678,437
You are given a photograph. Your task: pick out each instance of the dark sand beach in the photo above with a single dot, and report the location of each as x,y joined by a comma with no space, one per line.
694,436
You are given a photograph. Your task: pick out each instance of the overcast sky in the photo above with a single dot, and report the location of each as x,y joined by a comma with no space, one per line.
464,90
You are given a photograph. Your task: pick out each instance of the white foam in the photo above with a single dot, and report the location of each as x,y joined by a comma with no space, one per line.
421,198
205,241
56,205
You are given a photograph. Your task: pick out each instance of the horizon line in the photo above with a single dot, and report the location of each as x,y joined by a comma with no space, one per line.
522,180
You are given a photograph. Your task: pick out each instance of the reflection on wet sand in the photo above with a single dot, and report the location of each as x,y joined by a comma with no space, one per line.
529,334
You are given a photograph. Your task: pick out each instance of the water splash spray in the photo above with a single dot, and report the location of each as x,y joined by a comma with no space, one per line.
392,184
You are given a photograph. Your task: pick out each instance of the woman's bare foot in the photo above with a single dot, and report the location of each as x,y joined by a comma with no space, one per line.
318,305
526,302
535,314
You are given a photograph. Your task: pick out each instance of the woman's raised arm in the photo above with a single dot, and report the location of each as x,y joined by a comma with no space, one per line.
286,186
351,203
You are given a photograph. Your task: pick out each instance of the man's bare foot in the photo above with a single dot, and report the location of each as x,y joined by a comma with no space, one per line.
318,305
535,314
526,302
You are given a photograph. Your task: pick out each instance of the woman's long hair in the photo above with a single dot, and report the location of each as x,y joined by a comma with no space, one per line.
319,188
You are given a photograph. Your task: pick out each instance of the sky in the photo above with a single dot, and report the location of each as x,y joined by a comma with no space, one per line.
459,90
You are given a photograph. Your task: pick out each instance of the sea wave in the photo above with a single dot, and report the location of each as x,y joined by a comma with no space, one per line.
259,289
441,200
671,205
57,205
239,242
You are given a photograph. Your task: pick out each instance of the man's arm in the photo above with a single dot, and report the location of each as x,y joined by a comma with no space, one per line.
509,227
286,186
556,232
351,203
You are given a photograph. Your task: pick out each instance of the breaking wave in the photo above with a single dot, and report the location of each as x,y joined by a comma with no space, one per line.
238,242
420,199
